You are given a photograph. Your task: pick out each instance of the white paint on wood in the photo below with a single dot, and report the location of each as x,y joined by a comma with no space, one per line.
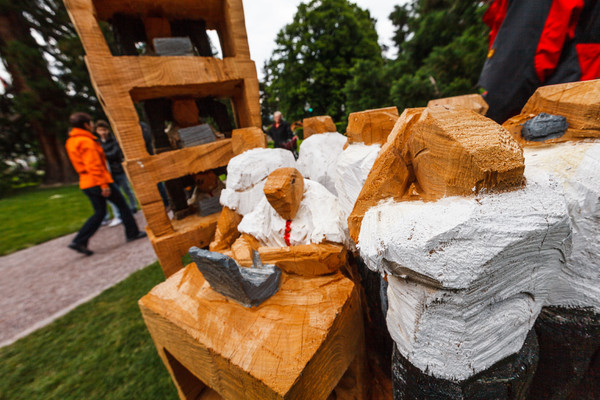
353,167
318,219
577,166
246,176
469,275
318,158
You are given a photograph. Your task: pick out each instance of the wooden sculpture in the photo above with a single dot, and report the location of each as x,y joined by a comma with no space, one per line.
171,88
436,152
578,102
473,102
371,126
314,125
297,227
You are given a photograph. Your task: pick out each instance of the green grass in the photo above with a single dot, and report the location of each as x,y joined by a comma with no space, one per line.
33,216
100,350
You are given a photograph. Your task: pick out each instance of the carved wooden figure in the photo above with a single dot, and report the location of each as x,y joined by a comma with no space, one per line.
320,124
284,190
473,102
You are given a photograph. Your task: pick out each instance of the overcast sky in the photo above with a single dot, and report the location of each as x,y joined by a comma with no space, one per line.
264,18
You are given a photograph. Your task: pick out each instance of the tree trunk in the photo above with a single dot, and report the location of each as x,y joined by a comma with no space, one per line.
15,31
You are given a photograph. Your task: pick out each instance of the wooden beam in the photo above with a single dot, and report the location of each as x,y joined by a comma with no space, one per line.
371,126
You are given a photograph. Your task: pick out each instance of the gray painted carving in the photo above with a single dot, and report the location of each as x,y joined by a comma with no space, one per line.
544,126
248,286
173,46
196,135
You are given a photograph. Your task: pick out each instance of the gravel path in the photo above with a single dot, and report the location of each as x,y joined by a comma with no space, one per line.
42,283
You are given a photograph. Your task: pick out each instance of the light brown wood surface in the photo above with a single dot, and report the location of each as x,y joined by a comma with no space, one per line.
306,260
246,139
194,230
390,176
436,152
455,152
320,124
284,190
578,102
243,248
473,102
185,112
371,126
296,345
226,232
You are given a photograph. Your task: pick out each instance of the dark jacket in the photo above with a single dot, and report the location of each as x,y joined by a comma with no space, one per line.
535,43
114,155
281,134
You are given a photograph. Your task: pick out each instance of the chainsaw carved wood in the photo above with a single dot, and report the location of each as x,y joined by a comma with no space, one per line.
284,190
120,82
320,124
578,102
296,345
318,158
440,151
474,102
371,126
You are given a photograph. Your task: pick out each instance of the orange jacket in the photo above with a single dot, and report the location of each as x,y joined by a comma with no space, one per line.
88,159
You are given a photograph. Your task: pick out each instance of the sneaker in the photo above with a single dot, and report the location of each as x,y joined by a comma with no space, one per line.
115,222
136,237
80,249
105,222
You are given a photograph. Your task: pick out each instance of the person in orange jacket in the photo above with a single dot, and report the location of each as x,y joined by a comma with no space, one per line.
95,181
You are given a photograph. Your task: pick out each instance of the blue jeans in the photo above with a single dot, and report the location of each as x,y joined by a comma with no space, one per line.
99,204
123,183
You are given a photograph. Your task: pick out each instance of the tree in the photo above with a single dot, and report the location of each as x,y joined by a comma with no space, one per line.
314,58
442,45
49,80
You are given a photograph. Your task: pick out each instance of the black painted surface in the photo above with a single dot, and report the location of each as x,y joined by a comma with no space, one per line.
544,126
507,379
569,366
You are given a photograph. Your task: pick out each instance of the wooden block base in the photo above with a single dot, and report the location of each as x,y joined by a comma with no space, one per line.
194,230
296,345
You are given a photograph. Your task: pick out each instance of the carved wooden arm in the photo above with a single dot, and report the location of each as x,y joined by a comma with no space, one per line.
306,260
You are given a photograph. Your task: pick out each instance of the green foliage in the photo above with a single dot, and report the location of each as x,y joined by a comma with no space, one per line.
100,350
314,57
34,216
441,49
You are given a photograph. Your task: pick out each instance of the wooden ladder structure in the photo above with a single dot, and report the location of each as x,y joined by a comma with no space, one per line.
122,81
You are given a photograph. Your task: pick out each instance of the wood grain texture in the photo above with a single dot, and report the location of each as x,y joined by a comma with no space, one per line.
246,139
296,345
473,102
243,248
156,27
578,102
455,152
284,190
436,152
320,124
194,230
371,126
306,260
390,176
227,232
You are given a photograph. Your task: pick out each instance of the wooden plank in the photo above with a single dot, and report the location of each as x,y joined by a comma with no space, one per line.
371,126
296,345
193,230
175,164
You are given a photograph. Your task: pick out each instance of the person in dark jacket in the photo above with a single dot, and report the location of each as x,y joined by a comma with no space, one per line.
280,132
536,43
114,158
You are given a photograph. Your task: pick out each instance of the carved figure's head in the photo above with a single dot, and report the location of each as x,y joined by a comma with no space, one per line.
284,190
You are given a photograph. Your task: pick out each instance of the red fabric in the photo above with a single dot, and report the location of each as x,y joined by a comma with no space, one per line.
494,16
589,60
288,230
277,125
560,25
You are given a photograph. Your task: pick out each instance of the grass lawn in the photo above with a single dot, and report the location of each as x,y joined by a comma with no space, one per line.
33,216
100,350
